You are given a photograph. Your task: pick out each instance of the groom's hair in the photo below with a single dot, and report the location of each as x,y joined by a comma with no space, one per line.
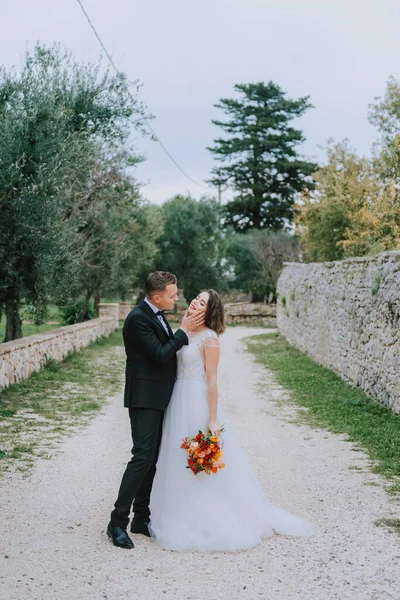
158,281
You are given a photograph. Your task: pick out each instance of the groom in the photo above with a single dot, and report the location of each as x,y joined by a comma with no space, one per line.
151,349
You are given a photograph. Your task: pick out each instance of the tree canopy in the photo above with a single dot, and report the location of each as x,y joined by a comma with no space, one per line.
258,159
74,225
62,124
191,245
256,260
353,211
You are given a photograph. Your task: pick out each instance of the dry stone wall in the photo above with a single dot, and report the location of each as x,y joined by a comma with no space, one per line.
346,315
124,310
239,312
247,312
20,358
110,310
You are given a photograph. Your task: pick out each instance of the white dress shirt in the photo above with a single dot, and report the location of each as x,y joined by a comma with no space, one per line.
159,317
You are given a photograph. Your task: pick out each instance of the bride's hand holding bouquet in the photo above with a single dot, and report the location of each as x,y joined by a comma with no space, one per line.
204,450
214,427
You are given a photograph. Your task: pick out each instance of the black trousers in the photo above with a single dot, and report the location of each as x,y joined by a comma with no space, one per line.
137,481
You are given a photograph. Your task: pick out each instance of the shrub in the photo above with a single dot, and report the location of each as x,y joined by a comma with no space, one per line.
77,312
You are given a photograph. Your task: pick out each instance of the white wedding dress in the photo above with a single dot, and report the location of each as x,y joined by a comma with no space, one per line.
224,511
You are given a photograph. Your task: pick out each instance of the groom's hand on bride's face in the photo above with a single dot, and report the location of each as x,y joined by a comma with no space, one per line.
190,322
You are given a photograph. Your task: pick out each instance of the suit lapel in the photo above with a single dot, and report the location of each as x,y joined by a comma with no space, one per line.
147,309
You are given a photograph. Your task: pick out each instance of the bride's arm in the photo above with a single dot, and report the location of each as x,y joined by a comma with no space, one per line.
211,359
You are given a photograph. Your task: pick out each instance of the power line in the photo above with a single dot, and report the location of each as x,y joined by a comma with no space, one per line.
157,139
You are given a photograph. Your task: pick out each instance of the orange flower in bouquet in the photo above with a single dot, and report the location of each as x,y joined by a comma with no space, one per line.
205,453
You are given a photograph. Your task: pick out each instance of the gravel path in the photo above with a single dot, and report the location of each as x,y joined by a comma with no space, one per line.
52,538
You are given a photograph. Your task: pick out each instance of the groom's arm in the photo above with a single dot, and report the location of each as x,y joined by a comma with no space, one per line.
141,334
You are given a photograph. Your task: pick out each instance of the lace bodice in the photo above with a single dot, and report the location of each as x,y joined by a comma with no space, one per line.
190,357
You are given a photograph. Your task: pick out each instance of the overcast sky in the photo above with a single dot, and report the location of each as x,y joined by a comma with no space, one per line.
189,54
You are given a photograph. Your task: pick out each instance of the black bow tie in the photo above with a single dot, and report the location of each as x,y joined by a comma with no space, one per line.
159,313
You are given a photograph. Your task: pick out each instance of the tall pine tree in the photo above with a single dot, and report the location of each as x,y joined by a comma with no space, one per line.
258,157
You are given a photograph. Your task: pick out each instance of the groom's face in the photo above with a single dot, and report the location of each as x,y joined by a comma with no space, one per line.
166,299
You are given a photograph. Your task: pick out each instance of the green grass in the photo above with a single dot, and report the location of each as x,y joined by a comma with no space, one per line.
392,524
40,410
115,300
333,404
30,329
377,284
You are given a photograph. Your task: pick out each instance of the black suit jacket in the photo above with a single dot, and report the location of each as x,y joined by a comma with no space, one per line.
150,359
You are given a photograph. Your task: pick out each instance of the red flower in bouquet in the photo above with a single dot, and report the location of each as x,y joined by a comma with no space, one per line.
205,453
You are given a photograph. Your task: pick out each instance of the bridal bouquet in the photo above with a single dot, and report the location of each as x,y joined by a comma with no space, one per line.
205,453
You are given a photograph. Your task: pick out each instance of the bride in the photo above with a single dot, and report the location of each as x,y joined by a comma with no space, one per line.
225,511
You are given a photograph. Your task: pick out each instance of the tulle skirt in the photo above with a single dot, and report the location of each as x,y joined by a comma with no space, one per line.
226,511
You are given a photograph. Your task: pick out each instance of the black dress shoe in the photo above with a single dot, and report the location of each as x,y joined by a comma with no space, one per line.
142,528
119,537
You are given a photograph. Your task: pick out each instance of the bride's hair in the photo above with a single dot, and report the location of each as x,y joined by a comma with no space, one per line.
215,313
